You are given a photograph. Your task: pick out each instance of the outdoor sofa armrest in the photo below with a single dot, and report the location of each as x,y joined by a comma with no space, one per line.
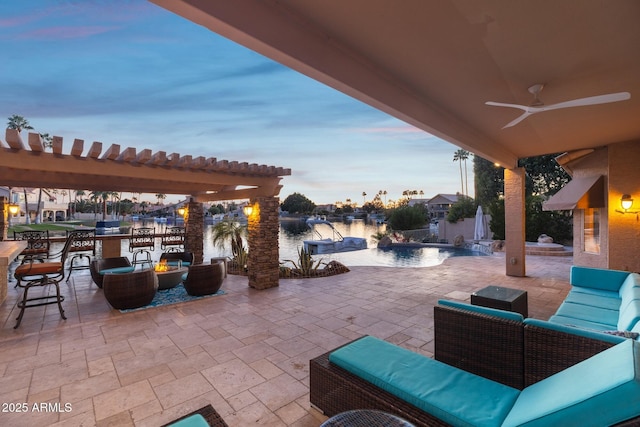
550,348
485,342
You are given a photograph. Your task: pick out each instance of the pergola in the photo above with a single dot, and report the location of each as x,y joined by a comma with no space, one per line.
200,178
435,64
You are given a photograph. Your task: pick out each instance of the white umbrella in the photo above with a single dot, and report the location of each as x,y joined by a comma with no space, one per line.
480,230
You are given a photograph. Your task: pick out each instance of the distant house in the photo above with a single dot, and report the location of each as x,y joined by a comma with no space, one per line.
440,204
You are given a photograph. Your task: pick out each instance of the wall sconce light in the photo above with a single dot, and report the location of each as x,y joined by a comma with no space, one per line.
248,210
182,210
14,209
627,203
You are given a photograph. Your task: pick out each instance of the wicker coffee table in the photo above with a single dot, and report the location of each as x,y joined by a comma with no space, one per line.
502,298
170,278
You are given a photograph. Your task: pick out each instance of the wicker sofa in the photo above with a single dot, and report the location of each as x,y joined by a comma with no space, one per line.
371,374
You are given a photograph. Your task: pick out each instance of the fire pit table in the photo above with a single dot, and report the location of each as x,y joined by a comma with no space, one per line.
171,277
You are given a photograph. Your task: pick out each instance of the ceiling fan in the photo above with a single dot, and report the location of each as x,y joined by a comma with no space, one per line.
537,106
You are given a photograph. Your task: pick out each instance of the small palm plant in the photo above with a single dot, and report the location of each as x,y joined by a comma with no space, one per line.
234,232
306,266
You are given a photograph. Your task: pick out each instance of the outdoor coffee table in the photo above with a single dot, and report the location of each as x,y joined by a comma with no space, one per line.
365,418
170,278
502,298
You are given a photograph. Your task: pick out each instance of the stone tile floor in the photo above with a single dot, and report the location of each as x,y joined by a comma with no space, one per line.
246,353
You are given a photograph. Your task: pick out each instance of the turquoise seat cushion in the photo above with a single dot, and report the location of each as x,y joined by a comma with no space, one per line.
629,309
117,270
450,394
598,292
175,263
483,310
608,302
589,313
632,281
578,323
600,391
597,278
195,420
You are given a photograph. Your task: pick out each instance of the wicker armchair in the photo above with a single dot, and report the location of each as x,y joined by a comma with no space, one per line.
186,258
204,279
98,266
130,290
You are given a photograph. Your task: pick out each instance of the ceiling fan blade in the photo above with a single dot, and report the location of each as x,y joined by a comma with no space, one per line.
502,104
592,100
519,119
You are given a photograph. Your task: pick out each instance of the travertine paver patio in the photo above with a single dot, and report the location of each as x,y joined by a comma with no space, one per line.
246,353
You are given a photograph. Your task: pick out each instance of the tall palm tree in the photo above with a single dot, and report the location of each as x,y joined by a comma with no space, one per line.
459,156
160,197
47,141
364,195
18,122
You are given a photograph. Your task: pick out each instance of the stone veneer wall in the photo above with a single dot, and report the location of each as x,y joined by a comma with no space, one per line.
194,231
263,263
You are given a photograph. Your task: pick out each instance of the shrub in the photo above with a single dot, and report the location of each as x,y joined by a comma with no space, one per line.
407,218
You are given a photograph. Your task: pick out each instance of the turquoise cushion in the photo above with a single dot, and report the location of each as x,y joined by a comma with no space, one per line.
184,276
600,391
589,313
598,278
175,263
588,333
629,310
450,394
608,302
484,310
632,281
195,420
598,292
117,270
578,323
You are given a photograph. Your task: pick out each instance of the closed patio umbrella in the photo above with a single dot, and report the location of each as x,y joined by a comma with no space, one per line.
480,229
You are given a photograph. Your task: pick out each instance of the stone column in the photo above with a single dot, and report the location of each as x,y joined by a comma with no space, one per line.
194,230
4,217
514,221
263,263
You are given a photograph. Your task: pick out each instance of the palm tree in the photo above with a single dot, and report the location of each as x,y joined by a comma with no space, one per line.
364,195
460,156
18,122
47,141
232,231
161,197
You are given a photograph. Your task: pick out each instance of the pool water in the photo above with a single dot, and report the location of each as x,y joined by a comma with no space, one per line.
293,233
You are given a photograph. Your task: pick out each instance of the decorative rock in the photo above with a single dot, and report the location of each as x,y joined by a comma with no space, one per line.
458,240
497,246
543,238
385,242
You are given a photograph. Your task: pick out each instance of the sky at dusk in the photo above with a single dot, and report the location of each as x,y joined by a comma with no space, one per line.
131,73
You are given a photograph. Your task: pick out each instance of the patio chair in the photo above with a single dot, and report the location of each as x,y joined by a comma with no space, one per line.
130,290
174,258
31,274
83,246
102,266
142,242
204,279
173,239
38,244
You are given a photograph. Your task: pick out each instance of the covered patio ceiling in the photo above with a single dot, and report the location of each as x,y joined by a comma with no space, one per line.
434,63
204,179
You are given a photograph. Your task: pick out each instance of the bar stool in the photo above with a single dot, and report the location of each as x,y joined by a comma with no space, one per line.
172,240
142,242
38,244
31,274
82,246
